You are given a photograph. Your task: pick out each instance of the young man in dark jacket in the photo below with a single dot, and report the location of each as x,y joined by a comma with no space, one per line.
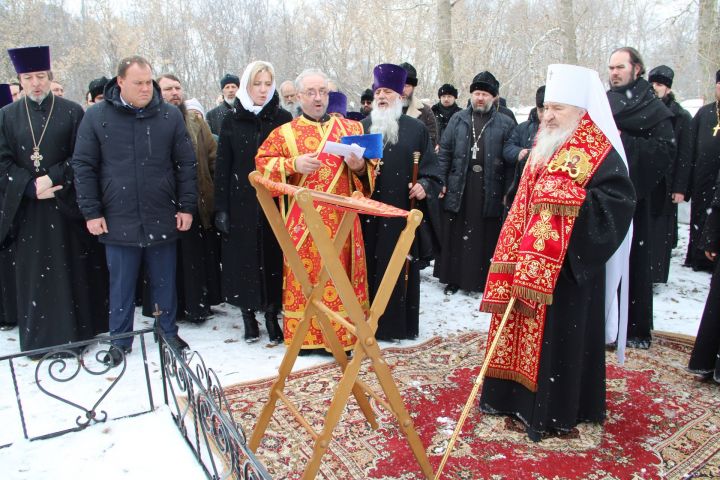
136,182
446,107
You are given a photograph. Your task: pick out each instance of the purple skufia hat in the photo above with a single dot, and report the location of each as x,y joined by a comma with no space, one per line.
337,103
389,76
5,94
30,59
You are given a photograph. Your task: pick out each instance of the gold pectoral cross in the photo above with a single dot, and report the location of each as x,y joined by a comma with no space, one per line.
36,158
716,129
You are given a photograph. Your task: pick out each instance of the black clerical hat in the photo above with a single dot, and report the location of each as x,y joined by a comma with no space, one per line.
540,97
717,76
30,59
97,87
229,78
411,74
447,89
663,75
486,82
367,95
5,94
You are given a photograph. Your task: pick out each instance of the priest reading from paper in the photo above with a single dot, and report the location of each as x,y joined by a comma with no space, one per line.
293,153
557,246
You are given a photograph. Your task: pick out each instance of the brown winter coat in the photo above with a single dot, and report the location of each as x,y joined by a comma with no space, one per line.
424,113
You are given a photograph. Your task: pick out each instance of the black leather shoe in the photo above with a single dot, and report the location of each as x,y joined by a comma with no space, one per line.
451,289
178,343
116,355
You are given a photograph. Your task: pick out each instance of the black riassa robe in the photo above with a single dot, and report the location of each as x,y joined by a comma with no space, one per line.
60,271
252,262
571,375
705,357
706,165
401,317
663,212
646,131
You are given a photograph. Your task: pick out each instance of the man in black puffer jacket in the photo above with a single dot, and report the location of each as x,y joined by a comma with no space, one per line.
135,176
472,167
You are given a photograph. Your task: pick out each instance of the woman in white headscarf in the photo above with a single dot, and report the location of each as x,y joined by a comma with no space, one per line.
251,257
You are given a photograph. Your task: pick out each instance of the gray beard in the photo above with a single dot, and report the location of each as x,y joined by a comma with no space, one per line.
546,144
385,121
38,99
483,109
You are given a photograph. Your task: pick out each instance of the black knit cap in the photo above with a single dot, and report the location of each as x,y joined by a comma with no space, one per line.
662,74
229,78
97,87
486,82
411,74
367,95
447,89
540,97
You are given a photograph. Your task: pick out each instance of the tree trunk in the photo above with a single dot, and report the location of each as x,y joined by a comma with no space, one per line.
708,52
568,28
444,41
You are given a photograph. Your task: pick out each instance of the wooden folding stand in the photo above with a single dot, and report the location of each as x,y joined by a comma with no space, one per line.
362,327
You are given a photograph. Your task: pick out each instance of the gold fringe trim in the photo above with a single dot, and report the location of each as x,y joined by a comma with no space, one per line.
524,309
494,307
534,295
563,210
502,267
512,376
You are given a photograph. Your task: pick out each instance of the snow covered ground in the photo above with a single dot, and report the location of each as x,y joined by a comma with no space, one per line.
149,446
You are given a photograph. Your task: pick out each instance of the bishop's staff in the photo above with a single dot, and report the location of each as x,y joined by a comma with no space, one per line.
416,166
476,388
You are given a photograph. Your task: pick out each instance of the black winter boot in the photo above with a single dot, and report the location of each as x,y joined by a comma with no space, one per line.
273,328
252,331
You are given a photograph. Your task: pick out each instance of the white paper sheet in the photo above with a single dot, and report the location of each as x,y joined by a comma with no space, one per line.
334,148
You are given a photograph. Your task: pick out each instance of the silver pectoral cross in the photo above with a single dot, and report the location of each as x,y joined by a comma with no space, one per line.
474,150
36,158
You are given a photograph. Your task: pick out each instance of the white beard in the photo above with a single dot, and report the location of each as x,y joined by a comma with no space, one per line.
385,121
38,99
548,141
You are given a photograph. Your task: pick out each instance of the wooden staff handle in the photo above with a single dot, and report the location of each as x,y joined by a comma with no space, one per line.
476,388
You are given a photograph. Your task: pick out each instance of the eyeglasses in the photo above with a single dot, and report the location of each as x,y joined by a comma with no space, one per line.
315,93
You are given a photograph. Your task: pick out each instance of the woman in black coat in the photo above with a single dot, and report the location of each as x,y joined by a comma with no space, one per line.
251,257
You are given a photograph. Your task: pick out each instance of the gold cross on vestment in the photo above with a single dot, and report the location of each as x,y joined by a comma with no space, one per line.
716,129
543,231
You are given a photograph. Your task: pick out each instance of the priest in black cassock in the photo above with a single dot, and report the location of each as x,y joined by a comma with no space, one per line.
646,130
60,272
706,165
402,136
559,257
705,357
674,186
477,178
8,312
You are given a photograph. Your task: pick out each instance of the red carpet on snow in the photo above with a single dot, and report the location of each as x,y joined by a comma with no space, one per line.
661,421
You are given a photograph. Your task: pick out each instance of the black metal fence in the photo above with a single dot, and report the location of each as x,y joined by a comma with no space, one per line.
191,390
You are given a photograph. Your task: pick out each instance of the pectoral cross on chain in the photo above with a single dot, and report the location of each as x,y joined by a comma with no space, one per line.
36,158
716,129
474,150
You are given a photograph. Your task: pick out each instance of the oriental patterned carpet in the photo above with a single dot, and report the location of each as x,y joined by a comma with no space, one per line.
662,422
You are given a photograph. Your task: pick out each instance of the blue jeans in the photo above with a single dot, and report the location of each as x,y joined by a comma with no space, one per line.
124,264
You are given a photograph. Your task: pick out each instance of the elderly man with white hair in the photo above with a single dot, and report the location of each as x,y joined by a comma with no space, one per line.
402,137
557,256
294,153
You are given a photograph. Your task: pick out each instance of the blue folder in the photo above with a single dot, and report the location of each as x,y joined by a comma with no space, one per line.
371,141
